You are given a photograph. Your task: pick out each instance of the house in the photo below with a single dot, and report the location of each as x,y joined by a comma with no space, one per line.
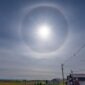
80,77
55,81
52,82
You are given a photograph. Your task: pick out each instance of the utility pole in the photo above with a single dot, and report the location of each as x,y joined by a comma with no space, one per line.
72,72
62,72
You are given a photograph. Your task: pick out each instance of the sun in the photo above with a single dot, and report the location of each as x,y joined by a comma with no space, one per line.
44,31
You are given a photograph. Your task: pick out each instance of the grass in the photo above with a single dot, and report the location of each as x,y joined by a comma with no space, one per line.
10,83
21,83
16,83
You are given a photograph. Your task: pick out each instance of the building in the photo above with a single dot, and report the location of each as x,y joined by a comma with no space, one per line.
80,77
52,82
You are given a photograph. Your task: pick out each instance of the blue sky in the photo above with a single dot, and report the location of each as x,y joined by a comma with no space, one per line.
17,61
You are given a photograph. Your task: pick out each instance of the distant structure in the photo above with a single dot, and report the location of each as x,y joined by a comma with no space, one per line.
80,77
52,82
55,81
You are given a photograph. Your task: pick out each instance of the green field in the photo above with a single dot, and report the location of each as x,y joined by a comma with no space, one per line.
10,83
25,83
16,83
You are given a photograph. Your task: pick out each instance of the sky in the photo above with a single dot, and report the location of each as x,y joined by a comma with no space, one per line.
23,55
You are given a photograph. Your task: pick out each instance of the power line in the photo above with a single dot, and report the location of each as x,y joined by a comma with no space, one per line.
76,53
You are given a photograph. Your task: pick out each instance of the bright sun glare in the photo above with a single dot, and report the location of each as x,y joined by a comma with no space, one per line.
44,31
